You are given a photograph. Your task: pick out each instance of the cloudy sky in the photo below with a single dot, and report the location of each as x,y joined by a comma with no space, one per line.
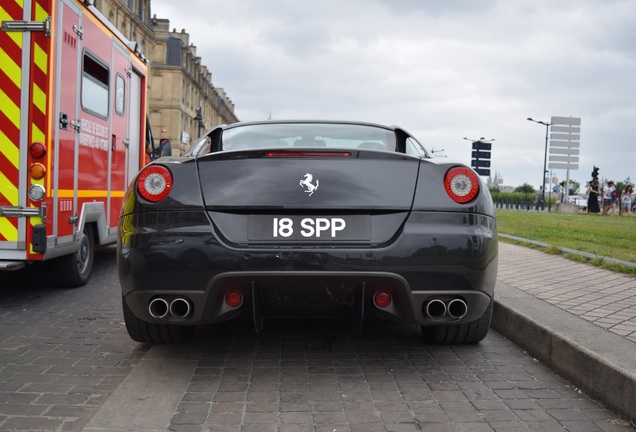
442,69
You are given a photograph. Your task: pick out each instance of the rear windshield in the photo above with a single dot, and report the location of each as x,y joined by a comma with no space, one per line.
325,135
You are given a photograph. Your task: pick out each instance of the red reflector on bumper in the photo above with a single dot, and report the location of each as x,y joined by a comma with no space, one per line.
382,299
233,299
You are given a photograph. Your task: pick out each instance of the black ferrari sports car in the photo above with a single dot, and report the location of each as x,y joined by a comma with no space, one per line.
307,219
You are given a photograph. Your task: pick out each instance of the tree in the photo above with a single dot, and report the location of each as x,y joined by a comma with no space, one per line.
575,186
525,188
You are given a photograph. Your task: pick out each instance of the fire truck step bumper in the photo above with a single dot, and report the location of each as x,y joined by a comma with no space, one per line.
11,265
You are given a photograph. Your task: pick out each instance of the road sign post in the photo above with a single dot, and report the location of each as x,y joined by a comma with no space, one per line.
481,157
565,137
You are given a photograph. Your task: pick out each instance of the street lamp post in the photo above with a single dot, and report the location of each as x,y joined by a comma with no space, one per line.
545,160
199,118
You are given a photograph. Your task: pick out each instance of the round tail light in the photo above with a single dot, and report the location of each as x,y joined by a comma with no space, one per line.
37,171
37,150
154,183
461,184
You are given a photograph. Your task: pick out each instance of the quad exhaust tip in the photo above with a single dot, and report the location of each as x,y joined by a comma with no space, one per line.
158,308
178,308
457,308
436,309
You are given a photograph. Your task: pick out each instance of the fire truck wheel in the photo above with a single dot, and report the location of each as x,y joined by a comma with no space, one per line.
74,270
142,331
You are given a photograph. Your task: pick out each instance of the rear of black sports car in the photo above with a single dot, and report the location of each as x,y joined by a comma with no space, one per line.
307,219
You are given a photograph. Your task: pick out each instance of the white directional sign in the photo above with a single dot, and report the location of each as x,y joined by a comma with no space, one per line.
565,166
565,137
566,129
564,151
567,121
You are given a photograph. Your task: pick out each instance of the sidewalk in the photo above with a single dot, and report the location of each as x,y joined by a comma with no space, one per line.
578,319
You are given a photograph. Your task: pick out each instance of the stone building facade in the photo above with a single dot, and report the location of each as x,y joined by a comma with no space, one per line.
179,86
182,87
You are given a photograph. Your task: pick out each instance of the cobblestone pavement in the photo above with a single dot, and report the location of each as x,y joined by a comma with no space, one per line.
600,296
62,351
318,378
65,356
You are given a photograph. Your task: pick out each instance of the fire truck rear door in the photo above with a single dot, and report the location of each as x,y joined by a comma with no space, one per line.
67,115
134,130
120,139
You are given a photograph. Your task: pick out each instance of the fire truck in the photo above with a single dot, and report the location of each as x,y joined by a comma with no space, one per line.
73,134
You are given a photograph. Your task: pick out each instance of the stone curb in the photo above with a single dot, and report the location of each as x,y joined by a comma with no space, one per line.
601,363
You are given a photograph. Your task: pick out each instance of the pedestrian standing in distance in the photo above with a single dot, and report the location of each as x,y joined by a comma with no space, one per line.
592,199
609,198
626,200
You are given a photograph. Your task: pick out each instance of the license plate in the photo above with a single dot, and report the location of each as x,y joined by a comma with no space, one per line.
314,228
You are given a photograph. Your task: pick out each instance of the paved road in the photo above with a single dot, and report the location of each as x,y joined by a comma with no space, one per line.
67,364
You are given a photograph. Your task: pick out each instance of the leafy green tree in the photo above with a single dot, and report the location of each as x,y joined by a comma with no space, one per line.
575,186
525,188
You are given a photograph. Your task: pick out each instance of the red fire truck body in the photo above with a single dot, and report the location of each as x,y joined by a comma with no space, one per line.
72,133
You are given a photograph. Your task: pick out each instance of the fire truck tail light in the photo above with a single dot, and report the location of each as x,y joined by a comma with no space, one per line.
154,183
37,150
37,193
37,171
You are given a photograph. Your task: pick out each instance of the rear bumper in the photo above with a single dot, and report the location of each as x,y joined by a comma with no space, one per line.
436,257
309,295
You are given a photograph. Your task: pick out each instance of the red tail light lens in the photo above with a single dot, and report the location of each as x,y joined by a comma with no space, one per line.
37,150
154,183
461,184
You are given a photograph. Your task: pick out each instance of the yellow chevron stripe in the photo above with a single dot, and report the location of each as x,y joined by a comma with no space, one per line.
9,190
39,99
36,134
11,68
67,193
8,230
40,58
11,110
4,16
40,14
34,220
9,150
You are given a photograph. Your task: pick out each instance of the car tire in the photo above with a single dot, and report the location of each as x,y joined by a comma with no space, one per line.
74,270
145,332
468,333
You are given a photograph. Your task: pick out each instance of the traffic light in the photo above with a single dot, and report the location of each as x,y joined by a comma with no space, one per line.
481,158
595,173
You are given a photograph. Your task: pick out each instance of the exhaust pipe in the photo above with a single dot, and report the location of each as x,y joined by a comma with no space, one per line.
158,308
180,308
457,308
435,309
